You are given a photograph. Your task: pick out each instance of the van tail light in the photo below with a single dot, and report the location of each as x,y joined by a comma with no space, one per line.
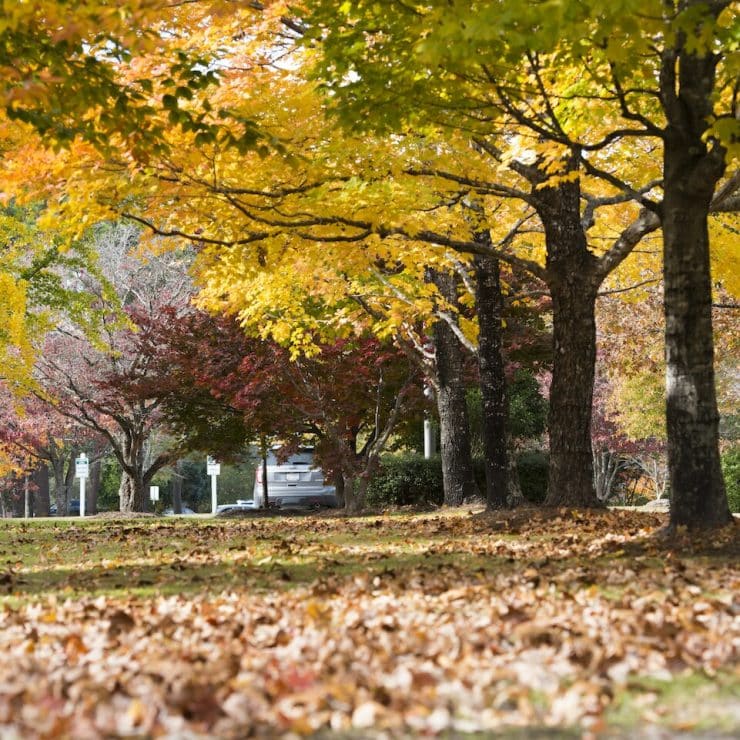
259,474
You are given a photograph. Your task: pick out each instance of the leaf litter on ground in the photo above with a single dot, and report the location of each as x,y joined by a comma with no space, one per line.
445,623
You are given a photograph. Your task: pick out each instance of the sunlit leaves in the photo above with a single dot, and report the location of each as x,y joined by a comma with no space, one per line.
431,624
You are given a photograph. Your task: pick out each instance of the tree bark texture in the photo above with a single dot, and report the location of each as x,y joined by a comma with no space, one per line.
355,491
514,495
18,499
135,478
339,489
571,278
457,463
692,168
691,171
489,308
570,478
132,493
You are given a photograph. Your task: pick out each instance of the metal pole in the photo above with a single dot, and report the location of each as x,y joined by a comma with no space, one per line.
27,498
214,497
82,495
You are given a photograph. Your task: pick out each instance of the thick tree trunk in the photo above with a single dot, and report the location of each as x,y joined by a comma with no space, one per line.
339,490
41,481
573,284
457,463
691,169
570,477
132,493
698,497
131,454
355,493
489,308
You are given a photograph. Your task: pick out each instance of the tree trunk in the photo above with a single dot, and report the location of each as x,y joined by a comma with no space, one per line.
41,481
654,468
69,477
355,491
339,490
27,504
132,493
63,468
573,283
177,489
457,463
60,494
570,475
350,504
96,473
606,466
489,308
697,490
263,462
514,495
135,477
18,499
691,169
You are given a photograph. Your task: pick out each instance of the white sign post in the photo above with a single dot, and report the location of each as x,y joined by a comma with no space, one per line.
213,469
82,471
154,493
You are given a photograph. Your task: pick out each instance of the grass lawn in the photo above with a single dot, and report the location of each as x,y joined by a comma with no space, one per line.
450,623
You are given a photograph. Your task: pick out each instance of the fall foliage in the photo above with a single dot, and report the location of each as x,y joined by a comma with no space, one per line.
226,226
510,153
413,624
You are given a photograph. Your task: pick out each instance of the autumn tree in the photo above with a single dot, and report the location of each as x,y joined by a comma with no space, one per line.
325,207
222,388
117,76
524,123
451,51
694,161
38,436
98,382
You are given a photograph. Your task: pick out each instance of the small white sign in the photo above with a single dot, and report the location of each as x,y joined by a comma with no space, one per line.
82,466
154,493
212,467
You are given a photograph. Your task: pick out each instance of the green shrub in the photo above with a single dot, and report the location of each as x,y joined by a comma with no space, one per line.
532,468
405,480
110,481
731,473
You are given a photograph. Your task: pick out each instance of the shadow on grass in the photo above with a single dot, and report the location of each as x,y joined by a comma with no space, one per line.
150,557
